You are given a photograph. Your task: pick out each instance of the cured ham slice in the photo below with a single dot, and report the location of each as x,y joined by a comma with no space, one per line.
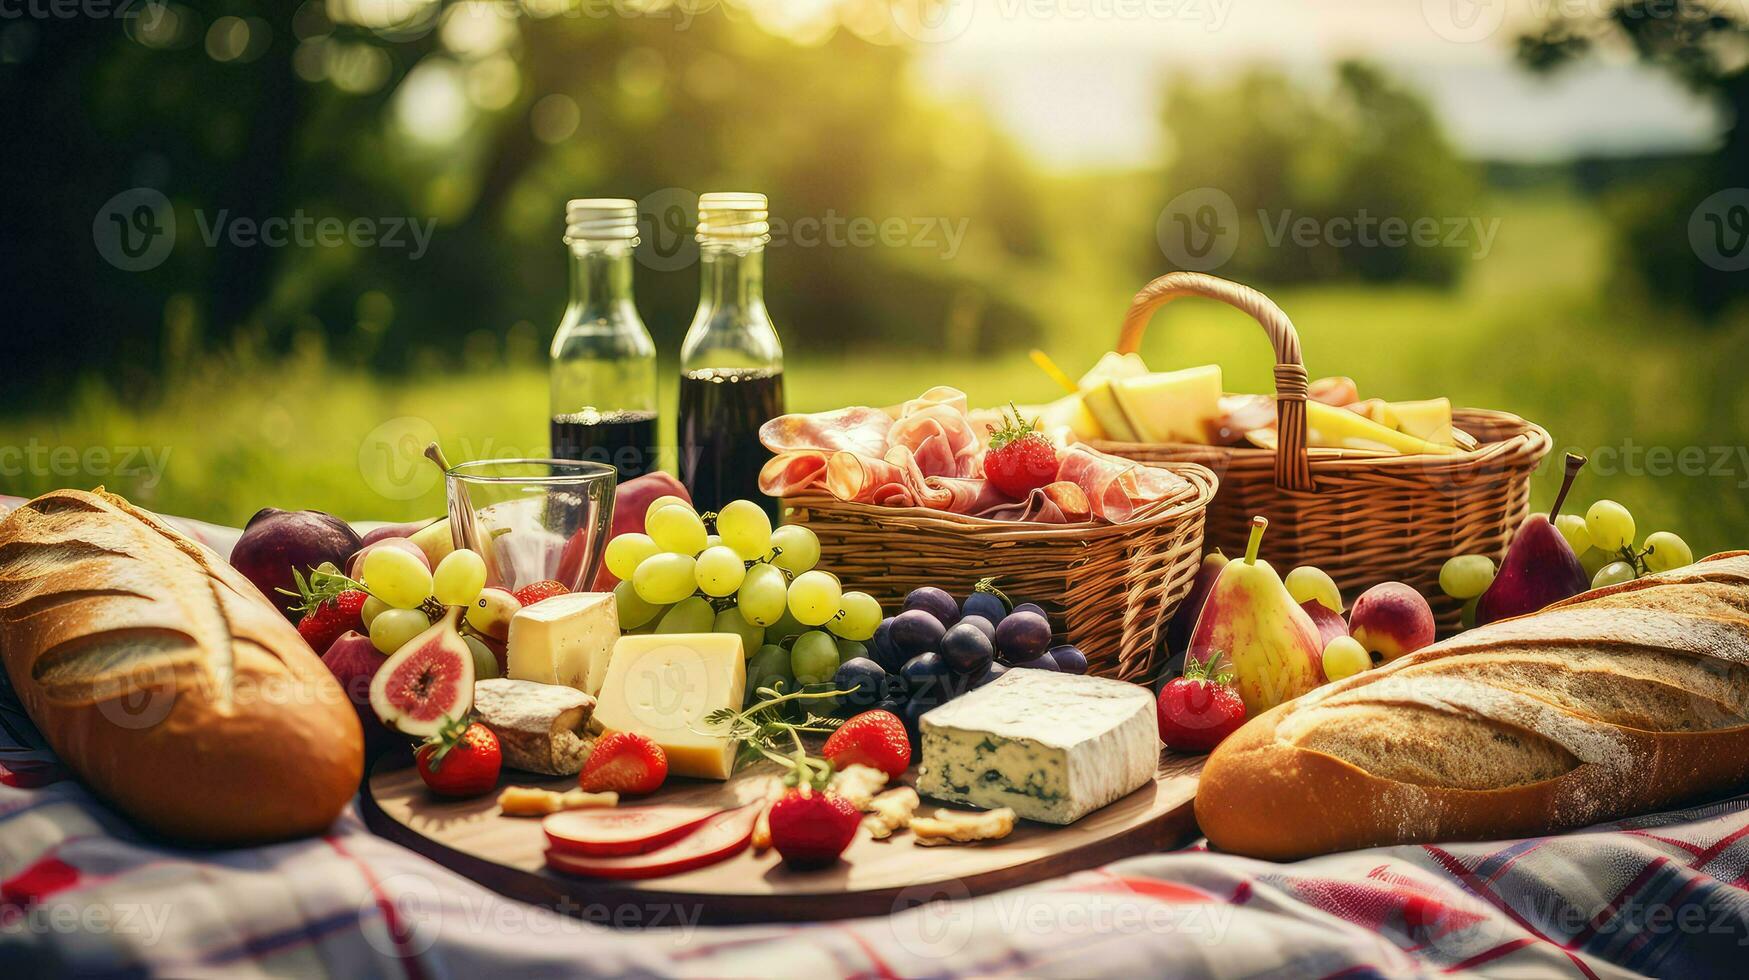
930,454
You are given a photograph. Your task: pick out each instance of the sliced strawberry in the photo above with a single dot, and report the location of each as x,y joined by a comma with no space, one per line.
625,763
874,738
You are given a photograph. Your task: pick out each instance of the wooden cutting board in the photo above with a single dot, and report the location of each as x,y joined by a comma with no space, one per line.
875,877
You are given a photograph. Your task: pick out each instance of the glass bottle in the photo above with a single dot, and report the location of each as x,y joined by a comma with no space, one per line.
731,365
603,372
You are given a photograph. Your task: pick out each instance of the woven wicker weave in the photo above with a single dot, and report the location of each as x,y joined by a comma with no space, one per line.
1109,588
1363,517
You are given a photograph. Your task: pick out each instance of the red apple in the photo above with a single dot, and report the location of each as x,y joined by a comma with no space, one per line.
1390,620
1330,624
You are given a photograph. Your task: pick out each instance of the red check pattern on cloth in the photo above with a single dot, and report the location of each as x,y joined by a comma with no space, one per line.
82,892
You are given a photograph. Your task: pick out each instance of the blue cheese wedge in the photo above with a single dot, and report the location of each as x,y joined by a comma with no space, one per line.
1053,747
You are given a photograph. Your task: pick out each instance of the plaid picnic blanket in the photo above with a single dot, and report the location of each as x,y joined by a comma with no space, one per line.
83,892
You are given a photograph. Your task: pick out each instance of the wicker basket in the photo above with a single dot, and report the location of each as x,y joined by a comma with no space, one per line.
1363,517
1109,588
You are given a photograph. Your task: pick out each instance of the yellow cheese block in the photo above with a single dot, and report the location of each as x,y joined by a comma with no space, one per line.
1338,428
1429,419
665,685
1097,397
1172,406
564,640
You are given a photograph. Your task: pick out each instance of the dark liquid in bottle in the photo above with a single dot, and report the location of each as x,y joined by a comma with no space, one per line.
627,440
721,410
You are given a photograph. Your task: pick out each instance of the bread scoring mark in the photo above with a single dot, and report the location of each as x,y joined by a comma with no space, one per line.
60,503
117,663
1651,690
1589,741
33,559
16,604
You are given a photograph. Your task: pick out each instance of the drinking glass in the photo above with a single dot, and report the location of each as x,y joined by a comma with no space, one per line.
532,519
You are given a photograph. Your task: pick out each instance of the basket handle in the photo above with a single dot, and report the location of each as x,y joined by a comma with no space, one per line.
1293,471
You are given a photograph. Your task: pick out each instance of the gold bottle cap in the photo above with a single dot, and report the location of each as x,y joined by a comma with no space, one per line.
601,219
732,217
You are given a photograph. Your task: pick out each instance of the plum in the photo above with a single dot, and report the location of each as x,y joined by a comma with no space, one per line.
276,541
1023,636
916,631
935,602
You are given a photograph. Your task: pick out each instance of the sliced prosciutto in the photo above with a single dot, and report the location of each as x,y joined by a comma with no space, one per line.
929,453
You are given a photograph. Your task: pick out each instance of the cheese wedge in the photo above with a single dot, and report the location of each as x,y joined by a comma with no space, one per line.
1172,406
664,686
1339,428
1097,398
1429,419
564,640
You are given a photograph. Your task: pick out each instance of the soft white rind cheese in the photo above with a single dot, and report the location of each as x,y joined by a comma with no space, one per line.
1052,746
567,640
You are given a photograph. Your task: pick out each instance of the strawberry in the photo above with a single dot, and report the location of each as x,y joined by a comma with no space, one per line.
811,829
330,604
462,760
1020,459
1200,709
530,594
625,763
874,738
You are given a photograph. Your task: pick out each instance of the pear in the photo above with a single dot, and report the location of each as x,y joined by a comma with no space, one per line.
1540,568
1250,621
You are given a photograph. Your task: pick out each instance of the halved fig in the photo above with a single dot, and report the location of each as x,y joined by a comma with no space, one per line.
426,683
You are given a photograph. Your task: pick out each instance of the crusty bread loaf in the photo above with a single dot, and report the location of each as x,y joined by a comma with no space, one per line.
1619,701
165,679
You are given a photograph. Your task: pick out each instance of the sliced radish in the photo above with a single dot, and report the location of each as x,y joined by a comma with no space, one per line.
632,830
723,835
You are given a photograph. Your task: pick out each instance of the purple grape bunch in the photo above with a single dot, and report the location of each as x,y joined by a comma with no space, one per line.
936,648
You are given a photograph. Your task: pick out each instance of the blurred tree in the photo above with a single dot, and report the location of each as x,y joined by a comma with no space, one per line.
475,120
1679,233
1337,163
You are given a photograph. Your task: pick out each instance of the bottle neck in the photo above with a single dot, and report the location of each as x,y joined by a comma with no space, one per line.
601,276
733,277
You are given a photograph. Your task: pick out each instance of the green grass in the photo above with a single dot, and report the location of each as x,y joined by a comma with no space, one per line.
1532,330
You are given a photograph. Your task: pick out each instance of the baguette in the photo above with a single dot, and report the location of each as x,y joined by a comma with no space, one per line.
1616,702
163,678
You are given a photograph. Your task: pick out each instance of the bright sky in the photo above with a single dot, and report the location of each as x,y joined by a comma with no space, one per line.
1079,81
